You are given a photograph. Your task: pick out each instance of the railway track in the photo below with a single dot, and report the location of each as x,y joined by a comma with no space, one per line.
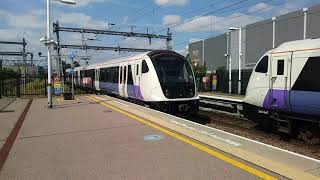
240,126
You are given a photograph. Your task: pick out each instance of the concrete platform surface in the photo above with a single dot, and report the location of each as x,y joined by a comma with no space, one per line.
9,116
5,101
84,140
221,95
280,161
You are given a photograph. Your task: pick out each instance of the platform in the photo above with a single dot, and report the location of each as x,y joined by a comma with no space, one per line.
10,112
222,96
99,137
289,164
83,139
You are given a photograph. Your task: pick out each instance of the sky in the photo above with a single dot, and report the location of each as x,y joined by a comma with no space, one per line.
188,20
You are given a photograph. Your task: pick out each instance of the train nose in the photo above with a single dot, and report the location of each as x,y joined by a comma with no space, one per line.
183,107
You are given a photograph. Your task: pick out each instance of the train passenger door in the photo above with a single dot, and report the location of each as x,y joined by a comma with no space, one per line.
279,82
137,74
96,80
123,80
136,79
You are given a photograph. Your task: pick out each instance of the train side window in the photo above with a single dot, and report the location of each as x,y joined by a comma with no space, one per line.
130,80
145,67
125,74
280,68
137,71
262,67
121,74
115,75
308,79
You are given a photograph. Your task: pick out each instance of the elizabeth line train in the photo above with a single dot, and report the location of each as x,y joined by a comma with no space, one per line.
160,79
284,90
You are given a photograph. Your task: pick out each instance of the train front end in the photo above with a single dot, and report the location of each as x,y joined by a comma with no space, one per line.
177,83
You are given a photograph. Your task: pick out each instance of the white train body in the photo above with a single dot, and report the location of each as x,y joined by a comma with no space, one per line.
162,79
286,80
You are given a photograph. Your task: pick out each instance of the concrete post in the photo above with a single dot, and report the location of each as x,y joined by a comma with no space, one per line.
305,11
273,31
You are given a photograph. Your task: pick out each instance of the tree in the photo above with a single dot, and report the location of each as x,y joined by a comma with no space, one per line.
199,70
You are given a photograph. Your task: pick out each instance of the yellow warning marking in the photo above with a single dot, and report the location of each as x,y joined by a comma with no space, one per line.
188,141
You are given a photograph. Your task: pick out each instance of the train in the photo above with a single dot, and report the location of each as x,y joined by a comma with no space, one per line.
160,79
284,90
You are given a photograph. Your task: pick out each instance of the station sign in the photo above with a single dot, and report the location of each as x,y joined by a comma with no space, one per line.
56,86
205,79
87,81
214,83
72,71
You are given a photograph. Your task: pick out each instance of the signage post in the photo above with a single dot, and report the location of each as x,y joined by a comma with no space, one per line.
72,56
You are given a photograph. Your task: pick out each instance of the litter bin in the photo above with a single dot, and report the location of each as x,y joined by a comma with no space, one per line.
67,96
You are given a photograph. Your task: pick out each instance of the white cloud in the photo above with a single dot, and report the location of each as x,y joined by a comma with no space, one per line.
194,40
80,19
81,3
125,19
170,20
30,20
143,43
32,26
171,2
261,7
292,5
216,23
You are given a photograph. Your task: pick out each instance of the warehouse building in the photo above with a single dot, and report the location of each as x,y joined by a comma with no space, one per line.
222,52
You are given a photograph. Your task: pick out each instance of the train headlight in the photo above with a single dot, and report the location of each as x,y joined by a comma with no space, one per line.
191,92
168,94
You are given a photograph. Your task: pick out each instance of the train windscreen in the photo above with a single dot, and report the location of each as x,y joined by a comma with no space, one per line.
172,69
175,76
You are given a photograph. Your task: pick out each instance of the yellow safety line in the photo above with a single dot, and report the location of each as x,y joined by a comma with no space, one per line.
188,141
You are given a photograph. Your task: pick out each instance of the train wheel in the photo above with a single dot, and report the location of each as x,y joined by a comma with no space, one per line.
310,135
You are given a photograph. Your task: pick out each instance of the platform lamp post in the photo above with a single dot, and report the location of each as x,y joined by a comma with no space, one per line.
240,56
48,42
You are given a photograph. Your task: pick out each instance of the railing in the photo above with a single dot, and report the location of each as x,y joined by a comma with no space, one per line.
23,86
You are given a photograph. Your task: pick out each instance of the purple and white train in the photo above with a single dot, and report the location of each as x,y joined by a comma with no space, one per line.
161,79
285,85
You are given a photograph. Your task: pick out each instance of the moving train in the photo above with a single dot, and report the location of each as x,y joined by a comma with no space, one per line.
284,89
160,79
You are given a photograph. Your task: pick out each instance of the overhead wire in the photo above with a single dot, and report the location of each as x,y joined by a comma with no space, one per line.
211,12
260,24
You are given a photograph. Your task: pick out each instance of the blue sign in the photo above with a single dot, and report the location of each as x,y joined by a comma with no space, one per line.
56,91
73,55
72,71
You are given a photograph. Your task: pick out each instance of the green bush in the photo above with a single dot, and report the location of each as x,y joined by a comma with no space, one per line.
7,74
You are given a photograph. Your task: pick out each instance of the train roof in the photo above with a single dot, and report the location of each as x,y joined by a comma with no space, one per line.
127,58
298,45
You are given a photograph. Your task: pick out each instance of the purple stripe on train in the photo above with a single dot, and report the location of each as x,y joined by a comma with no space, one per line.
133,91
276,99
303,102
109,87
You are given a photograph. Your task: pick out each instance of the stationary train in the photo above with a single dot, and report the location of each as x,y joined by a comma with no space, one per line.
284,89
160,79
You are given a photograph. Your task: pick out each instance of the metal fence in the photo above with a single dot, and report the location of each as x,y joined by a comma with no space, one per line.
223,81
23,86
